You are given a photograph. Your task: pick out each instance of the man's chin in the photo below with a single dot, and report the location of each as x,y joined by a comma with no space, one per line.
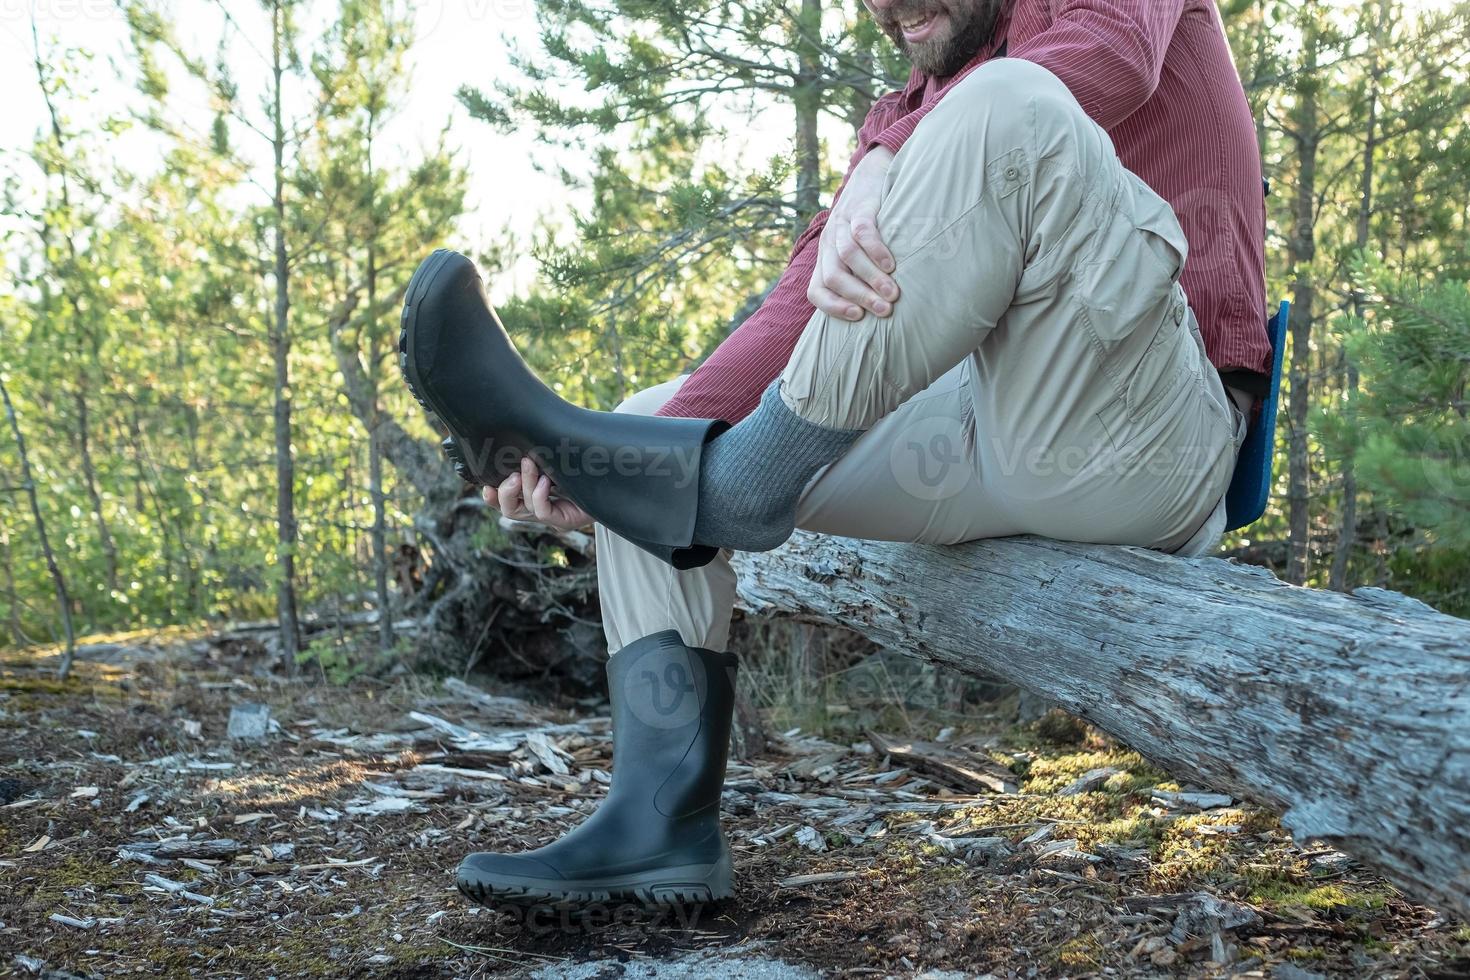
936,58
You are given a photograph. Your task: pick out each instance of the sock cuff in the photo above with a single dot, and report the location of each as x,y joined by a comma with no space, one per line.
798,440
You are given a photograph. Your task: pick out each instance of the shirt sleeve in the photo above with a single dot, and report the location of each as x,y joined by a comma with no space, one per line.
1109,53
728,385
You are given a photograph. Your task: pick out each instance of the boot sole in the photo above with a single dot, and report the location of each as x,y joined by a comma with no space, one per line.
689,885
420,283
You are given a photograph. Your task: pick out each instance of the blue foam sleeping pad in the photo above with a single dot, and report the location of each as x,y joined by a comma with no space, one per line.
1245,501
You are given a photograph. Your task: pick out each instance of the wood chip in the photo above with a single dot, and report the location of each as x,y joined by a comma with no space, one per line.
1190,801
180,847
66,920
946,764
38,845
335,864
809,838
820,878
1089,781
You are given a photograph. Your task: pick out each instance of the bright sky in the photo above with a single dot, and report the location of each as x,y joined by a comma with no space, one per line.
460,42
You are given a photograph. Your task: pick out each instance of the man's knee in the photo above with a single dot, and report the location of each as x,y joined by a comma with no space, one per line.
1001,100
650,400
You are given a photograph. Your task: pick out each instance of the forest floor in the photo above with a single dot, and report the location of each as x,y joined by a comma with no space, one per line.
136,838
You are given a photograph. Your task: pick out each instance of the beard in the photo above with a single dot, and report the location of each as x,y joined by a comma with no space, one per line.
970,25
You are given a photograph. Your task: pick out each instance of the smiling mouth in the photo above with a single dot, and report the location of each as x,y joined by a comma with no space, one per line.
917,28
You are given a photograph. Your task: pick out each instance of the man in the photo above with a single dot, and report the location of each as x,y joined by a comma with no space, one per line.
1044,263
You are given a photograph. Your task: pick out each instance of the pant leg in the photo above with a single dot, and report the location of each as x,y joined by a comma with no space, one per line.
1026,249
641,595
911,477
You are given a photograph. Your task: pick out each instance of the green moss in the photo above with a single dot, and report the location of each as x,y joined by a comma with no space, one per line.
1331,896
908,857
1186,853
1141,829
1083,952
32,690
1083,808
51,884
1052,773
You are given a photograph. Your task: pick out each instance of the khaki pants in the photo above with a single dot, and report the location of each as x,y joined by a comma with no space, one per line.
1041,372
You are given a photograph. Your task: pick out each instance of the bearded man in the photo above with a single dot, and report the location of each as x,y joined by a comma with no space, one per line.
1035,307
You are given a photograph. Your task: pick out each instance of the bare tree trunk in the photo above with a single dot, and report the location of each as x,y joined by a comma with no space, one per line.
7,563
861,100
89,477
1347,532
375,469
807,96
63,599
281,350
1303,249
89,473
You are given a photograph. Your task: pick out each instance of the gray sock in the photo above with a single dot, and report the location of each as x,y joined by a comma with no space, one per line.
752,475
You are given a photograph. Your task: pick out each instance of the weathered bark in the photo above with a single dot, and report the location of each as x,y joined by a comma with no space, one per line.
1350,713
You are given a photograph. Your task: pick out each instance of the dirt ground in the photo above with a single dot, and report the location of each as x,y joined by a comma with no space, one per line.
136,838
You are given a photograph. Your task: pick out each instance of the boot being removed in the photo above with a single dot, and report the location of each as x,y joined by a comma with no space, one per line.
638,475
656,838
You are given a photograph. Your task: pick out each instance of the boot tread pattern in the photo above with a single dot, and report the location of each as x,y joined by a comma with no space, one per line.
690,893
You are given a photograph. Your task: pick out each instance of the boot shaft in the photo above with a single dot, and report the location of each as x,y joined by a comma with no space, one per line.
671,712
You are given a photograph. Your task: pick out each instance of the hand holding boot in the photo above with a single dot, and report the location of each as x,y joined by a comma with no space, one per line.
511,499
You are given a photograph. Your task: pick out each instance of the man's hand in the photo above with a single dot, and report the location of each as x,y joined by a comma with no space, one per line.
852,262
510,499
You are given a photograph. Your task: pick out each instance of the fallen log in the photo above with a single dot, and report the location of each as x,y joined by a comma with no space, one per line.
1348,714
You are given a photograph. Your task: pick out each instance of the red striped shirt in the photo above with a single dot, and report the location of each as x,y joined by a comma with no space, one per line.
1158,76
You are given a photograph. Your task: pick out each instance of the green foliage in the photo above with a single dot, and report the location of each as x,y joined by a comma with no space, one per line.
136,307
1407,426
340,659
1410,423
679,240
142,300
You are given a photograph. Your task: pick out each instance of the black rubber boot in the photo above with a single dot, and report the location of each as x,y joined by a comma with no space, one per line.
638,475
656,838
